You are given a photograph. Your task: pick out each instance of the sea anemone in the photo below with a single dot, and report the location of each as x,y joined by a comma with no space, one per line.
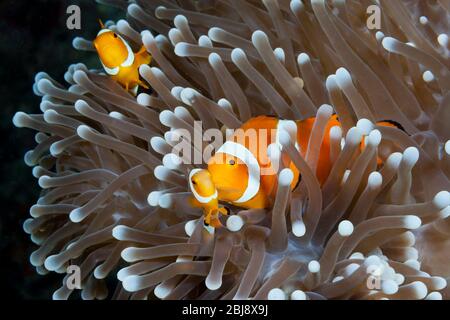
114,199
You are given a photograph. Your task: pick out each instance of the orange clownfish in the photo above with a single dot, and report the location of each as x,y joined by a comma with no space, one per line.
239,173
206,197
119,60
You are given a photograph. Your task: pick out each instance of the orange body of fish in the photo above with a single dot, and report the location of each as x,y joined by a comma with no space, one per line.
240,172
119,61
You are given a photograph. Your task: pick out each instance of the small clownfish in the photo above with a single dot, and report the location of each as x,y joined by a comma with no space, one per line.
234,173
206,197
119,60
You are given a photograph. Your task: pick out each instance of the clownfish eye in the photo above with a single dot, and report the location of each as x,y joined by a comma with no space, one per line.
231,162
193,182
115,35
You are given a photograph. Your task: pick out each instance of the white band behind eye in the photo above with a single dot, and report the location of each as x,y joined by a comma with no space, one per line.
242,153
200,198
130,58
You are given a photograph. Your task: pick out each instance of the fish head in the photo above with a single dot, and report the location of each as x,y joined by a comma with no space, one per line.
229,175
201,183
111,48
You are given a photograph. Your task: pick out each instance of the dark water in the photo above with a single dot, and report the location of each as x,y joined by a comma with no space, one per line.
33,38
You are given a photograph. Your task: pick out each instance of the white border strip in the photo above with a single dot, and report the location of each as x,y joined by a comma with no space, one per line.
254,171
200,198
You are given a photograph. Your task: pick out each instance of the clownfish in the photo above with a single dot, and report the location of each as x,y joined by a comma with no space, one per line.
239,173
206,197
118,59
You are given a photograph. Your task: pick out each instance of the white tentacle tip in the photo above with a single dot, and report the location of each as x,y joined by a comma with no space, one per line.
389,43
374,138
413,264
212,284
143,99
326,110
76,215
443,40
176,92
132,283
356,255
280,55
336,133
161,173
127,254
296,5
172,161
375,180
345,228
214,33
165,201
420,289
153,197
343,77
166,117
161,291
189,227
366,126
394,160
389,287
298,229
412,222
59,295
331,82
439,283
286,177
205,41
258,35
303,58
180,19
237,55
119,231
235,223
19,119
434,296
187,95
314,266
428,76
83,131
379,36
444,213
411,156
274,153
284,136
447,148
354,136
442,200
276,294
99,273
214,59
181,49
298,295
51,263
423,20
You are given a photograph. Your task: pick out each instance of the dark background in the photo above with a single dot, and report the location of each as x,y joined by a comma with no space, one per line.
33,38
